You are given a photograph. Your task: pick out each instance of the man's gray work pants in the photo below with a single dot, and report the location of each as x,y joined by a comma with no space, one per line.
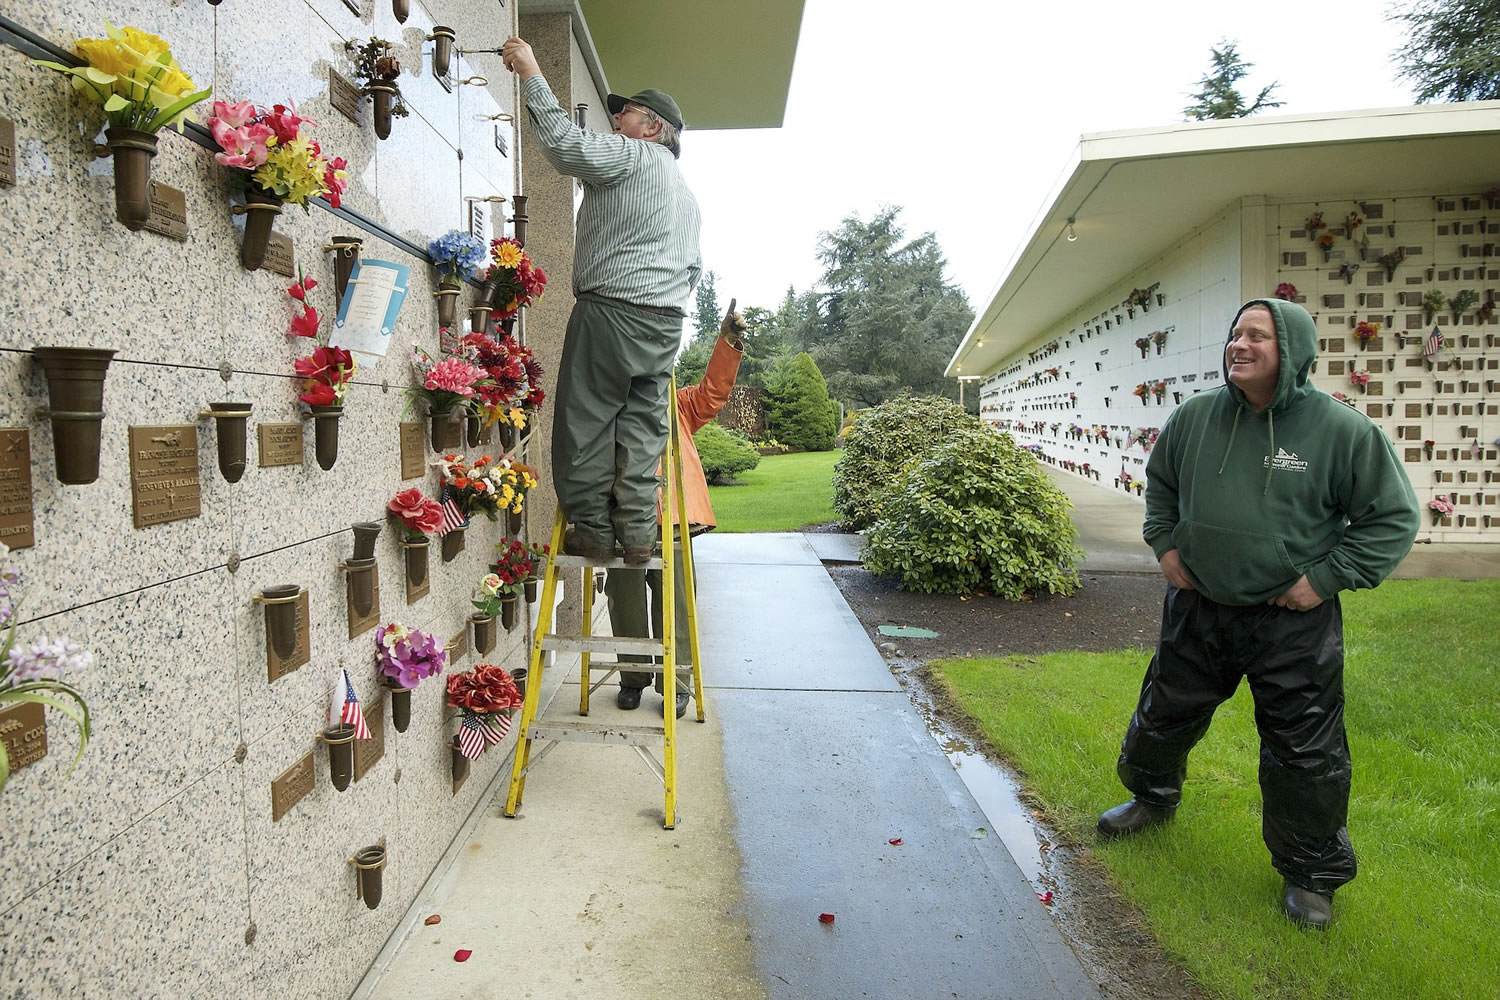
610,422
627,592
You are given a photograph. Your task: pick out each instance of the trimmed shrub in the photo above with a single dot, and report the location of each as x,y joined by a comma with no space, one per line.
724,453
800,413
880,443
977,513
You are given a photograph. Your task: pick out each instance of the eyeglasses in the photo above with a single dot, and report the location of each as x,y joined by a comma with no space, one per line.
645,113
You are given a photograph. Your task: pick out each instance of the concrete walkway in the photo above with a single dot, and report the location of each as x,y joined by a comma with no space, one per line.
812,761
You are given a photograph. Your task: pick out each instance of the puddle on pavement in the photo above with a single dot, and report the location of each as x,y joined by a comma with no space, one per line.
997,793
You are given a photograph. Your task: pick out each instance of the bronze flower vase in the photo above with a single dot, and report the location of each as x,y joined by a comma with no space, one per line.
416,560
260,211
229,420
453,542
339,740
442,49
281,617
460,764
401,9
513,519
508,612
75,403
474,427
326,434
507,433
519,676
370,863
362,580
400,704
447,430
365,533
447,302
384,97
479,318
519,219
345,252
484,632
132,150
529,587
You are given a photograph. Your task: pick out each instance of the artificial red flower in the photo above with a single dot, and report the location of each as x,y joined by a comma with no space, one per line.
485,689
329,365
319,394
306,325
417,511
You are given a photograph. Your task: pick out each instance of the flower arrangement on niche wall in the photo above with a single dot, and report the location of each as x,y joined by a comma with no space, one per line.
1286,291
282,163
420,518
486,697
1461,303
1159,338
376,68
136,79
1143,344
1441,507
1365,332
1432,301
518,281
35,673
1361,379
447,387
1314,224
1391,261
455,254
325,373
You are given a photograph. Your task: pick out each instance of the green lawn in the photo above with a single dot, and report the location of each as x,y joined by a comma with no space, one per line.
1422,704
782,493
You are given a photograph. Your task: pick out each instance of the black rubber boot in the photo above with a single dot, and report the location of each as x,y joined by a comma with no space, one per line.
628,698
1132,817
682,702
1306,908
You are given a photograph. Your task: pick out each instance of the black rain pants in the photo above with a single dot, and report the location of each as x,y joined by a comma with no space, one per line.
1294,662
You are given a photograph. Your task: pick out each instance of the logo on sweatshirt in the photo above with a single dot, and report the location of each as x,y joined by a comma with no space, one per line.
1286,461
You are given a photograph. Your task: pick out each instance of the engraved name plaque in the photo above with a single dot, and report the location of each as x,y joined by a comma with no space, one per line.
276,667
413,451
280,444
291,786
24,731
168,212
279,255
344,96
164,473
7,151
360,624
17,525
367,752
458,646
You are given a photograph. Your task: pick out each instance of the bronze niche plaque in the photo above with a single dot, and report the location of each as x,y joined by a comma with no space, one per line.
458,646
24,731
279,259
276,667
413,451
359,625
168,212
7,151
367,752
344,96
17,523
164,473
280,444
291,786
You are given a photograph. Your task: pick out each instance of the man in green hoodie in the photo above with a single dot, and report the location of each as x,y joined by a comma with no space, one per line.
1265,497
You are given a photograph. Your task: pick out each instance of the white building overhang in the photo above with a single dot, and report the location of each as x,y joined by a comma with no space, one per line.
1134,194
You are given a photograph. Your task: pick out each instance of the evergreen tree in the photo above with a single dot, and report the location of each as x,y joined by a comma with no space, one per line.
1218,97
709,315
1454,52
797,404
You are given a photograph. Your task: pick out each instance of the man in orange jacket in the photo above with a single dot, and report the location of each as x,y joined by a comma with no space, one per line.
626,589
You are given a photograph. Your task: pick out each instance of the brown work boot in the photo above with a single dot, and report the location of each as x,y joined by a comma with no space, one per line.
1306,908
638,555
1132,817
576,545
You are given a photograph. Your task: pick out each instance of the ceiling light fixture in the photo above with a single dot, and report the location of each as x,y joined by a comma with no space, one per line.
1072,233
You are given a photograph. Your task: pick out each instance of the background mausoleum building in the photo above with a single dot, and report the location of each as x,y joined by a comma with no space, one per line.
1384,224
200,847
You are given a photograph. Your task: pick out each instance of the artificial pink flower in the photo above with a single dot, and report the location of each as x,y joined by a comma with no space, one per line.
305,325
285,122
333,179
416,511
455,376
234,115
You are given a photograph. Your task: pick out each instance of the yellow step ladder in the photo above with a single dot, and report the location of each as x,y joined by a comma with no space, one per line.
640,738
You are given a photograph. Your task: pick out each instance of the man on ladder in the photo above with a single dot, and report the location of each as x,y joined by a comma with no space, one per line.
635,264
626,589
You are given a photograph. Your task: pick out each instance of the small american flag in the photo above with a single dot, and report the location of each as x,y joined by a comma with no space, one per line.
1433,344
477,733
452,516
349,712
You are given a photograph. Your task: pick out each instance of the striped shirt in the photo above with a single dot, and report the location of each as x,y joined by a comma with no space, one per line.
637,233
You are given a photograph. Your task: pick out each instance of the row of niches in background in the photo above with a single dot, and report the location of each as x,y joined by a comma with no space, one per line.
1401,265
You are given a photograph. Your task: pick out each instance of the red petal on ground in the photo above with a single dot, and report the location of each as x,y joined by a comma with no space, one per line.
895,841
1045,897
462,955
825,918
434,919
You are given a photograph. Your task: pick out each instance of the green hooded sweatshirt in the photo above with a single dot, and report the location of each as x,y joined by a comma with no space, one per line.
1252,501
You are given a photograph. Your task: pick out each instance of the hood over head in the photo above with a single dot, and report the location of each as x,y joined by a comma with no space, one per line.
1297,342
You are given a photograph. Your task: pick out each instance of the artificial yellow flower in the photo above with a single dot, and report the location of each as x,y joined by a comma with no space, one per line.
517,417
146,46
508,256
105,55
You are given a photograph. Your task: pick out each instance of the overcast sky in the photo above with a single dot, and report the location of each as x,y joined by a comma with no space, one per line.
965,112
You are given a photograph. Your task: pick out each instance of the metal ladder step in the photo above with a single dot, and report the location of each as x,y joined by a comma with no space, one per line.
597,732
580,562
601,644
